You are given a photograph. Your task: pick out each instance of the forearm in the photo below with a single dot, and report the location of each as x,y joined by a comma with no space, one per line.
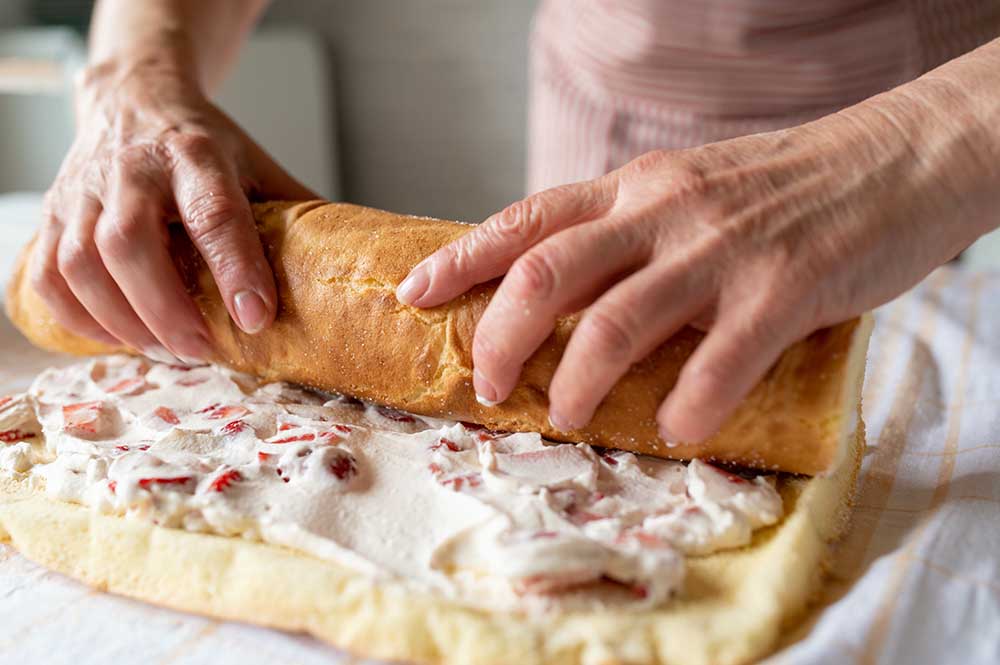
944,128
194,41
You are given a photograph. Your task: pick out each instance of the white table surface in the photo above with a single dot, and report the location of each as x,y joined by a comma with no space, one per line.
917,579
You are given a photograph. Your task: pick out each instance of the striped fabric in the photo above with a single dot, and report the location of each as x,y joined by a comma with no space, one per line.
917,579
612,79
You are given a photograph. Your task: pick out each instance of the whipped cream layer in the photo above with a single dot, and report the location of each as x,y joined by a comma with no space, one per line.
507,521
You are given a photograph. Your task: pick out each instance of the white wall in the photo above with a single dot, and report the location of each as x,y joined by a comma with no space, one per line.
431,100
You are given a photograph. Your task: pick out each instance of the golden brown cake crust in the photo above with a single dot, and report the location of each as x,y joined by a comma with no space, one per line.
341,328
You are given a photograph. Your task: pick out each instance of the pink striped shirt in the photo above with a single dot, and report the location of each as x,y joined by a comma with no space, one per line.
612,79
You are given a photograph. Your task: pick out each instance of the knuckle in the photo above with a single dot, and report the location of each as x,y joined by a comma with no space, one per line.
608,334
209,215
765,321
73,258
683,178
118,233
679,174
534,275
786,305
707,380
192,145
648,162
523,219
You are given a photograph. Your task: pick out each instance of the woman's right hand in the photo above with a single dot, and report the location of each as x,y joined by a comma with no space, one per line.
150,147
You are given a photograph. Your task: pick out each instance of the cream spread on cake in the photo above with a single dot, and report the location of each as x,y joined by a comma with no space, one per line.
489,519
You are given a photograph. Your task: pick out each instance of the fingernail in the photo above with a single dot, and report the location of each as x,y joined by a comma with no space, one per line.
414,286
485,402
669,438
159,354
486,394
251,312
560,423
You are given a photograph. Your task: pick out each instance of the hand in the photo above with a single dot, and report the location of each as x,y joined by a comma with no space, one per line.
149,146
761,239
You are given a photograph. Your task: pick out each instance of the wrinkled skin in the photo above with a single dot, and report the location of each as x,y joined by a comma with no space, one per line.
760,239
150,148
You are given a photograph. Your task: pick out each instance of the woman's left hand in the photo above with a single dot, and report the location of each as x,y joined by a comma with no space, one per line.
761,240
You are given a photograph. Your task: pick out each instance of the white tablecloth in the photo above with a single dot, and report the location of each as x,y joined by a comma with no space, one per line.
916,581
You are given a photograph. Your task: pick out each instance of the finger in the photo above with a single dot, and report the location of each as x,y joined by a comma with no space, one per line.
217,216
742,345
619,329
49,284
556,274
83,269
132,242
489,250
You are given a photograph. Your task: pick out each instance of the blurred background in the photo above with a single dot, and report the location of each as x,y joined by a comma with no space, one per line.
418,107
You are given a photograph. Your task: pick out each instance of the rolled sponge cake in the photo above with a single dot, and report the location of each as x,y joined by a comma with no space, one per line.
340,328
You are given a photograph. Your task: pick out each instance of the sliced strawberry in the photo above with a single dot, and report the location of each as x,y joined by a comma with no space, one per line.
113,486
83,418
637,591
648,539
4,401
167,415
224,480
195,381
284,427
129,386
234,427
12,435
263,457
216,412
565,580
208,409
146,483
445,443
344,467
458,482
299,437
343,429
